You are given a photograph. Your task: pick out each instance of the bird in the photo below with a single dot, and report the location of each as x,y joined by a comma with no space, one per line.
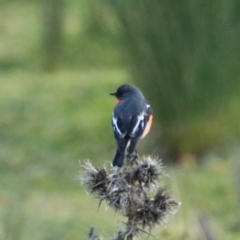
131,120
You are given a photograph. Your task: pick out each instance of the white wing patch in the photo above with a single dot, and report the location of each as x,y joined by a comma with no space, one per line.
116,128
140,120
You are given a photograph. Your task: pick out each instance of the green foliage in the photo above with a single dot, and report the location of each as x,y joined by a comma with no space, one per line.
20,40
184,55
23,35
52,20
49,122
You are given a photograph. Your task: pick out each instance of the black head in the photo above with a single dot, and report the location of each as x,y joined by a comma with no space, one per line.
126,90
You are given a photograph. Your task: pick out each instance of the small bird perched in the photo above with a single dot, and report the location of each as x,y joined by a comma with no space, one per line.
131,120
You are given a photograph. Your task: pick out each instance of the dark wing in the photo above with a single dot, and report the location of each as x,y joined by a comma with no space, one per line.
120,134
140,124
119,129
137,125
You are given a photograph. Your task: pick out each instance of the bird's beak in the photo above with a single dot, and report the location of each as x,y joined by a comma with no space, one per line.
113,94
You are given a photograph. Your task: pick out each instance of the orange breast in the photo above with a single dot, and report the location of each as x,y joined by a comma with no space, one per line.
147,129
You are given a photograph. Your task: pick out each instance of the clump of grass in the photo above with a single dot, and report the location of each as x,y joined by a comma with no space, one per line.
134,191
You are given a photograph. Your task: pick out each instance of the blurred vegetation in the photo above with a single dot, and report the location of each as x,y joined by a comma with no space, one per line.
185,55
50,121
52,18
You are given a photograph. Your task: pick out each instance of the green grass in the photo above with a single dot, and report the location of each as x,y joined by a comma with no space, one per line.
48,124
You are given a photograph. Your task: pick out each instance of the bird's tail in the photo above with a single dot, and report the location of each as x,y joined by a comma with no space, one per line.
118,159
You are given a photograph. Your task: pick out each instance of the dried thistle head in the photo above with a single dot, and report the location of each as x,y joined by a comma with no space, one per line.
121,195
156,211
147,171
117,193
94,179
127,192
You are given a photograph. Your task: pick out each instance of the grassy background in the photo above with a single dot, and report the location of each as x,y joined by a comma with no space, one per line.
51,121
